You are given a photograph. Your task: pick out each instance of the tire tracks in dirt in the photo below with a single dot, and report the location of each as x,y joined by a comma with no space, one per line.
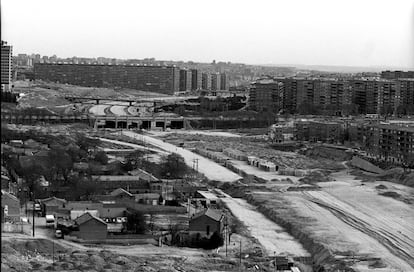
395,244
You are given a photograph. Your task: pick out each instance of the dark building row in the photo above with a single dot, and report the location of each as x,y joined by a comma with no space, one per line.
333,96
161,79
397,74
315,131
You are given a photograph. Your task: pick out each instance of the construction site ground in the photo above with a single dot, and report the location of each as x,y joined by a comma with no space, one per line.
342,222
43,252
24,253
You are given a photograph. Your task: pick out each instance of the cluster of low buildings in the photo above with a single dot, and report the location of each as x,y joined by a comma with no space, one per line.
104,215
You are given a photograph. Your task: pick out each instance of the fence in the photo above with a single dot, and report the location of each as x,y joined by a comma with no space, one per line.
128,239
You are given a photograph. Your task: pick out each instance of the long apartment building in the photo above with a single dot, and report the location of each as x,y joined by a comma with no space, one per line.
397,74
377,96
391,142
6,66
294,93
161,79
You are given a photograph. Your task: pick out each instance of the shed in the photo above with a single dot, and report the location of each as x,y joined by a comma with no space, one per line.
206,198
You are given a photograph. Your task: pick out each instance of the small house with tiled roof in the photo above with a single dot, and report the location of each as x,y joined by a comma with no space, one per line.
90,227
205,223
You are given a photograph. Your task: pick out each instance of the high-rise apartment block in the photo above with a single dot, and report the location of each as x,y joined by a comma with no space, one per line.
224,81
6,66
266,96
196,80
185,80
404,96
206,81
215,82
160,79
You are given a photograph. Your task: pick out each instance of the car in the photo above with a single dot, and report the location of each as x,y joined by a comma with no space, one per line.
59,234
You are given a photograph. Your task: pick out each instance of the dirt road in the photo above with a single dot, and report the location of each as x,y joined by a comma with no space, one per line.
210,169
271,236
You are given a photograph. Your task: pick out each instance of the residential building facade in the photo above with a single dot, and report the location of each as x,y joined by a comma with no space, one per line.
160,79
185,80
6,66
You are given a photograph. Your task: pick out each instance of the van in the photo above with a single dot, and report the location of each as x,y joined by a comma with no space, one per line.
50,220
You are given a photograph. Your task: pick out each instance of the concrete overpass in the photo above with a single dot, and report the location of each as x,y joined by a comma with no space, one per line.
140,122
130,101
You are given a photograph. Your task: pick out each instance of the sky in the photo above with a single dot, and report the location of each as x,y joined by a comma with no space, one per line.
318,32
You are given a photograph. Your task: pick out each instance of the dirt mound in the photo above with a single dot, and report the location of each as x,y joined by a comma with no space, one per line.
408,180
377,264
393,172
391,194
38,246
33,255
316,176
322,258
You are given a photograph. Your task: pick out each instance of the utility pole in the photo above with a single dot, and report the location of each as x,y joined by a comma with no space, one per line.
226,234
195,164
53,255
33,214
275,262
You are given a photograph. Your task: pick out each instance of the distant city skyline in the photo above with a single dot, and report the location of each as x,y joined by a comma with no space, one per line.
298,33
